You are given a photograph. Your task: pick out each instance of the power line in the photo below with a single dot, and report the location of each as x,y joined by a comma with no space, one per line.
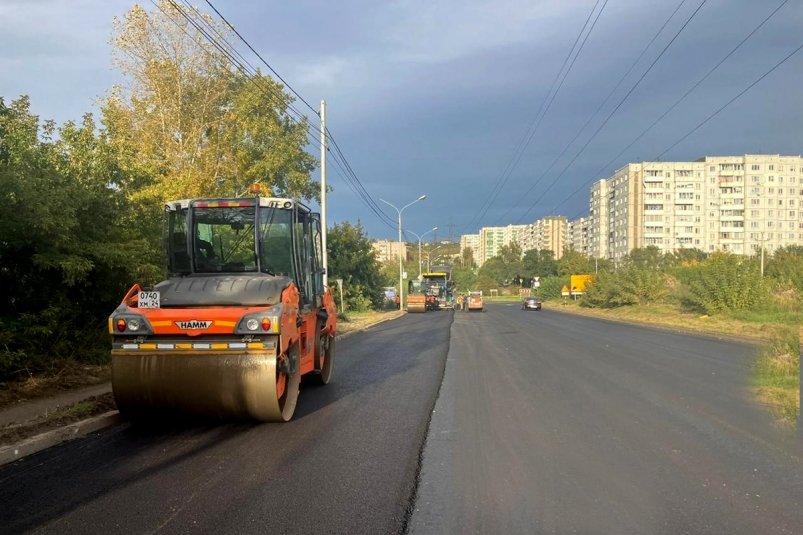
229,52
531,130
596,112
348,169
608,118
673,106
261,58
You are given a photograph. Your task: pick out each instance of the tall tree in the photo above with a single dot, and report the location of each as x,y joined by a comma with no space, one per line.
65,254
190,123
537,263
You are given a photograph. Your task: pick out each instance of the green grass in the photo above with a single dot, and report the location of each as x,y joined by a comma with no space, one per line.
779,316
777,375
82,408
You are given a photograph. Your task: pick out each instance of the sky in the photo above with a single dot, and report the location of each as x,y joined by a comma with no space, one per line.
426,97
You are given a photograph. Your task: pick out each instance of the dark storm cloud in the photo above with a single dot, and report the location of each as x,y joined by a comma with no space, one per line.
433,97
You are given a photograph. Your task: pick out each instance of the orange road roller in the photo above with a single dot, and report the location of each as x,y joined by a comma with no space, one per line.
242,316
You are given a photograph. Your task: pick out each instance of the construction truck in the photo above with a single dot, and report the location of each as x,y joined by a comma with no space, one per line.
243,315
440,286
475,301
416,296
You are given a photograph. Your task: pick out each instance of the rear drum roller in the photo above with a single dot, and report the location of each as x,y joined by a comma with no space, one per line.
283,397
324,357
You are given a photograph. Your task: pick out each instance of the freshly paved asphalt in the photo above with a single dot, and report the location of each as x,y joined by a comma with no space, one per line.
550,423
544,423
347,463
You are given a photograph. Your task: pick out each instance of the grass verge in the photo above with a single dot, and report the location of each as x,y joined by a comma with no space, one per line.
777,376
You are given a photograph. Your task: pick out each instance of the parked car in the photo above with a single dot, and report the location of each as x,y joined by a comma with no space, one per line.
531,303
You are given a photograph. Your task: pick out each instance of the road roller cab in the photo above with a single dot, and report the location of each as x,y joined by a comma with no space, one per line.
242,316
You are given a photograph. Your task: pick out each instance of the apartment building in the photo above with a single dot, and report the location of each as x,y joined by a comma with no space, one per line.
493,238
578,234
470,241
389,250
551,233
598,220
732,203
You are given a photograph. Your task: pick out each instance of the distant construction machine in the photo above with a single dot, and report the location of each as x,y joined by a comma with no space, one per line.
440,286
416,296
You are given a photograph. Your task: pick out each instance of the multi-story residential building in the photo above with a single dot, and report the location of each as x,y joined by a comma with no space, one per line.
489,240
599,220
550,233
470,241
733,203
578,234
389,250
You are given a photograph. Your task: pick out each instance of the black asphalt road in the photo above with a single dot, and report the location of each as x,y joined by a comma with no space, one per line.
346,464
551,423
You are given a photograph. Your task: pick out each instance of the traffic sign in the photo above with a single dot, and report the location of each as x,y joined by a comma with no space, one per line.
564,291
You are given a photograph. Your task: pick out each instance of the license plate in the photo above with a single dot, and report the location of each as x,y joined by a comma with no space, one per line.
148,300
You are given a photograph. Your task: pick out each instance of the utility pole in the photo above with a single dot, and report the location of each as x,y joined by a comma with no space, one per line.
323,196
451,226
762,254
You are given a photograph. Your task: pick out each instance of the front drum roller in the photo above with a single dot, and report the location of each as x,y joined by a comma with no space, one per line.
246,386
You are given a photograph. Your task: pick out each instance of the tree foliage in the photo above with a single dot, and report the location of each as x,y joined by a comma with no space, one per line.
725,282
353,259
191,124
464,279
632,285
537,263
66,255
786,267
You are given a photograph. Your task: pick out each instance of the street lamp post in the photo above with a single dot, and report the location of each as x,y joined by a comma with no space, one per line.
433,229
399,212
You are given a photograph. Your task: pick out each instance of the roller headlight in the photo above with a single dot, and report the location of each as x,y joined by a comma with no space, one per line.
263,321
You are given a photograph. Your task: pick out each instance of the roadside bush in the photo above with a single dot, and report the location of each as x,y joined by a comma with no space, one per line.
786,267
725,283
629,286
551,287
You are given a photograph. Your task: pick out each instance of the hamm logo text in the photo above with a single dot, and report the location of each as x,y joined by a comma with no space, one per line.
193,324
